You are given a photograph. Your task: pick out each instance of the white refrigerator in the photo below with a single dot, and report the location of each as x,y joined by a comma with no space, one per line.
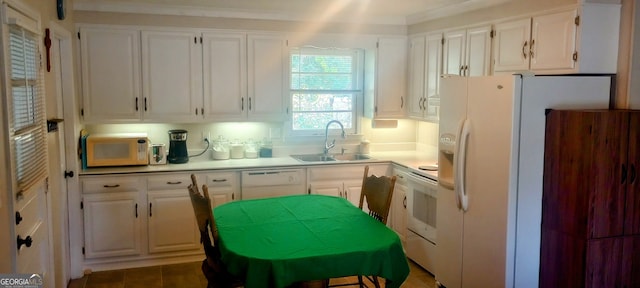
490,173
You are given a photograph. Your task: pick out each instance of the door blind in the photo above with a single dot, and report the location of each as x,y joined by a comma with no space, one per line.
26,106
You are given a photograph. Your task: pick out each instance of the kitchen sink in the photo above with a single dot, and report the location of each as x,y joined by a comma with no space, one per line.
313,158
350,157
331,157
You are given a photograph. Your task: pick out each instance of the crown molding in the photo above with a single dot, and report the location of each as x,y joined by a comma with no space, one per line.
182,10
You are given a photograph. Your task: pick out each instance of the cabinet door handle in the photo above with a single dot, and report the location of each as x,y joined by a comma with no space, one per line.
150,210
145,103
404,202
111,186
533,42
219,180
249,103
174,183
401,102
523,48
624,174
26,241
460,70
196,111
136,210
466,70
137,104
242,104
18,218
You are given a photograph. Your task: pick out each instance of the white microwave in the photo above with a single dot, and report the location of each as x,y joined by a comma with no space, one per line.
123,149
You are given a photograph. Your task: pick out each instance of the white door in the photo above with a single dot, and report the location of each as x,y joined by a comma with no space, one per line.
225,76
553,41
171,76
112,224
453,105
417,79
486,187
433,71
268,67
511,46
453,52
62,177
330,188
33,255
110,74
391,74
172,225
478,51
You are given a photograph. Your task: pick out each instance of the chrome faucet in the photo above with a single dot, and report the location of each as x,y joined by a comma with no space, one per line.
328,146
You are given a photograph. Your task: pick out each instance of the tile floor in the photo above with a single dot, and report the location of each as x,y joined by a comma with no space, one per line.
189,275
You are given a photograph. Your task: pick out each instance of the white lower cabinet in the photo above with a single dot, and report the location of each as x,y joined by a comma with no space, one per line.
112,216
139,219
342,181
223,187
170,221
398,214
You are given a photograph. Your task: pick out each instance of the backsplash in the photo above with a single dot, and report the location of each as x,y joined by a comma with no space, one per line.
409,135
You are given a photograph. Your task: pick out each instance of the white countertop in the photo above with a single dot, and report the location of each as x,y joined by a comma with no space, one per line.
409,159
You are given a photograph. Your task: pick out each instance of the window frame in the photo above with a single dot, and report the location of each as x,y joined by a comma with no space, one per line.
358,91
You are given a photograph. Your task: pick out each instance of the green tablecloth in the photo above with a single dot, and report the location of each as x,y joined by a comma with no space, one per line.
279,241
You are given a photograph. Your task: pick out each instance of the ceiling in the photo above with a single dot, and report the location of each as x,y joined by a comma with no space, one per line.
399,12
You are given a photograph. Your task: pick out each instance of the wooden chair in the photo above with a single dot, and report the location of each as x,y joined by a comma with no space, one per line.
377,192
212,267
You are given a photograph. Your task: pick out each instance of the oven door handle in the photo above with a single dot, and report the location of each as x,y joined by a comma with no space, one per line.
460,170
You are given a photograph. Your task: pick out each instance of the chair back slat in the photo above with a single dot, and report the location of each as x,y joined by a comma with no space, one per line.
378,192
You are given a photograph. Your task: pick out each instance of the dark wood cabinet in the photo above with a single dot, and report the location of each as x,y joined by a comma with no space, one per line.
591,200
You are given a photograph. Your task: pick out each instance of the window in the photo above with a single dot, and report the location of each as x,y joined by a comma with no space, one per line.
26,106
326,85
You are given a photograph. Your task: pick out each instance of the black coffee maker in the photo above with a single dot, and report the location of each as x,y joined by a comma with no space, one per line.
178,147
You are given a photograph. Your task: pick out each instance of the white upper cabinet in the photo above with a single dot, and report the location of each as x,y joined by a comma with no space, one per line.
467,52
391,76
268,66
583,40
110,74
171,76
544,42
553,41
225,75
179,75
425,68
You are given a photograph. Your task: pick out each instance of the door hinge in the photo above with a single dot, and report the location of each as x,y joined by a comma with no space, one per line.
577,20
81,205
82,250
492,33
375,109
78,34
442,40
575,56
46,185
82,112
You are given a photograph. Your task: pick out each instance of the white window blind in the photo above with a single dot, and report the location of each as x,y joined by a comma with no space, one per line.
325,86
26,107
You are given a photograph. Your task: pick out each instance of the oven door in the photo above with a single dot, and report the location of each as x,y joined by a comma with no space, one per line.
421,206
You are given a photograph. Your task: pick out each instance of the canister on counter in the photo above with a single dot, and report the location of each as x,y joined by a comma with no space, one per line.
237,149
251,149
266,149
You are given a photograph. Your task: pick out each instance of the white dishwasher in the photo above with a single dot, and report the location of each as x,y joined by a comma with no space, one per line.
272,183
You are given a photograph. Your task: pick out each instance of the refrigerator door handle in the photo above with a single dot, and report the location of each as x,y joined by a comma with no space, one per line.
461,193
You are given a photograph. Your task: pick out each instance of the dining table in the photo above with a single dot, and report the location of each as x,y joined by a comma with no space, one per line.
279,241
